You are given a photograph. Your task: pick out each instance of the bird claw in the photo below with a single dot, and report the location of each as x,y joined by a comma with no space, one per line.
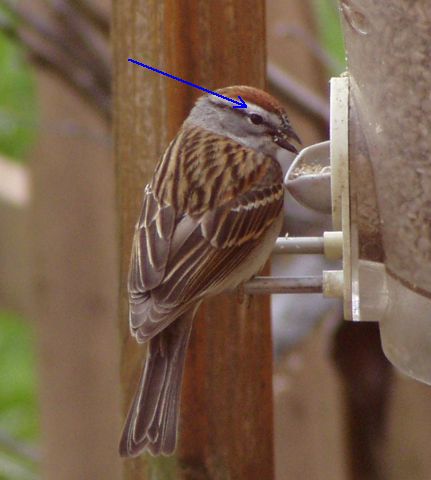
240,294
242,297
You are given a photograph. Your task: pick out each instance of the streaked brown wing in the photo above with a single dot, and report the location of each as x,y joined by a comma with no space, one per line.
200,264
212,252
184,253
151,244
245,218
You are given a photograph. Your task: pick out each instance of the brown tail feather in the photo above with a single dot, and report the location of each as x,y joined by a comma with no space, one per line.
153,416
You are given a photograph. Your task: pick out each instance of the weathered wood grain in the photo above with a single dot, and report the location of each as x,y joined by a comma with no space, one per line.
226,422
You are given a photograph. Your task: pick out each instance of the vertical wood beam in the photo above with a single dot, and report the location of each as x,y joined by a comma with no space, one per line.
226,426
74,270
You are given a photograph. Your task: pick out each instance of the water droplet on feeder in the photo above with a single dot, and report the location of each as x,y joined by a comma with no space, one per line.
356,19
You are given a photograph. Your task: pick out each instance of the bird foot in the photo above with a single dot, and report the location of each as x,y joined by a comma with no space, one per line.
243,298
240,294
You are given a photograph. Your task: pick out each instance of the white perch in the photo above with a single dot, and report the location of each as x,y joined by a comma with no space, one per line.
299,245
268,285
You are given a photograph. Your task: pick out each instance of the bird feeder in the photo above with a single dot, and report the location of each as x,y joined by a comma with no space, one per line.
388,48
374,176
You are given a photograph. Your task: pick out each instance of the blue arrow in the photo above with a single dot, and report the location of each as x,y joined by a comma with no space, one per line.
240,104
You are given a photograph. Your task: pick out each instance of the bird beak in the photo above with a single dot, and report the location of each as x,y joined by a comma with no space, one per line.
282,138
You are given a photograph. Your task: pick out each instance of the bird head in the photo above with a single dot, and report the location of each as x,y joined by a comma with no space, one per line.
263,125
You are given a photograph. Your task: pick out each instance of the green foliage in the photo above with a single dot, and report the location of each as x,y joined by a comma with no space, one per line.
331,36
18,406
17,100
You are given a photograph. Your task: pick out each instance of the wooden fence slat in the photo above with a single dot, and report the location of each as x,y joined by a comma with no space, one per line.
72,242
227,417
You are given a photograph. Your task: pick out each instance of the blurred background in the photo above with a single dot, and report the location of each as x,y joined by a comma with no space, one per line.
341,412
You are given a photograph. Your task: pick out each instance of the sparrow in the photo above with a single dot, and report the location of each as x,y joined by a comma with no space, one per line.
210,216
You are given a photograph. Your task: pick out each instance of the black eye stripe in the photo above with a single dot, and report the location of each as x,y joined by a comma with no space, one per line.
244,113
256,119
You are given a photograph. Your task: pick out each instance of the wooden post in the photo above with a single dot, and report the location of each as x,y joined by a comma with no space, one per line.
226,428
72,239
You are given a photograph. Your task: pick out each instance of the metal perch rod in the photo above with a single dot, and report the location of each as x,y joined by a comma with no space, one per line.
266,285
298,245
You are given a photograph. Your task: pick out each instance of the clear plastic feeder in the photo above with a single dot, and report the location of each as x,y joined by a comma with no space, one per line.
388,47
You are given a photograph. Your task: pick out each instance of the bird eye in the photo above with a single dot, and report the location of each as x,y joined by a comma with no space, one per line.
256,119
